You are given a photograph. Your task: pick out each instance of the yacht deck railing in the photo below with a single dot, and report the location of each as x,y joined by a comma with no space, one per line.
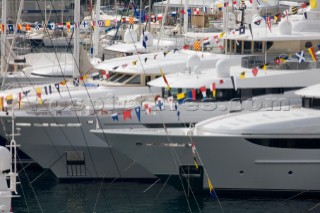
288,64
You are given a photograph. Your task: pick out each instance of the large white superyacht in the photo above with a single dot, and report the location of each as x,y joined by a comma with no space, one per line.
264,150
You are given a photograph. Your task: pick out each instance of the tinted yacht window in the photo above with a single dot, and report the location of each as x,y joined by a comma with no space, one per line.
291,143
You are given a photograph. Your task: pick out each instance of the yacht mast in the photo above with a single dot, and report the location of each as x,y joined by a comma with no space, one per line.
96,30
185,17
76,39
3,36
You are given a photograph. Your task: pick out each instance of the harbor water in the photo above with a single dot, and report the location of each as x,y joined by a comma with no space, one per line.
47,194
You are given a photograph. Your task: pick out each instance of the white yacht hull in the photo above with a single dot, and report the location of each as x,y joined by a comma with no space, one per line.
58,42
231,162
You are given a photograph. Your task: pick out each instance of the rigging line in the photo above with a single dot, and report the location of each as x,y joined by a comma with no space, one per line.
314,207
147,189
34,193
207,175
38,118
109,185
47,169
22,189
296,195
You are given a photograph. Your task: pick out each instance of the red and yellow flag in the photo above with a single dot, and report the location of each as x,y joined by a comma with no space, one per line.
213,89
165,79
197,46
28,27
313,54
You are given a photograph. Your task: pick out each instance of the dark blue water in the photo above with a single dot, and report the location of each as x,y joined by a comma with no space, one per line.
48,195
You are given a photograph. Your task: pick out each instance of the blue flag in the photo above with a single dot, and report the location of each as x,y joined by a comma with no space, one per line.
189,12
10,27
115,117
57,87
160,104
144,39
26,92
137,110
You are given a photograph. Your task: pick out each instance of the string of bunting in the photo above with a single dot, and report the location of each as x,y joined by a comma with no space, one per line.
47,89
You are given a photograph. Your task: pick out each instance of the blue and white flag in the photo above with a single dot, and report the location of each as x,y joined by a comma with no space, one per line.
84,24
100,23
52,25
76,82
300,56
160,104
10,27
144,39
36,26
115,117
137,110
205,10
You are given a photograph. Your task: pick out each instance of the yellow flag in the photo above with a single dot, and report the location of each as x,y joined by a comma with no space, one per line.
313,4
180,96
107,23
210,185
40,100
243,75
9,97
221,34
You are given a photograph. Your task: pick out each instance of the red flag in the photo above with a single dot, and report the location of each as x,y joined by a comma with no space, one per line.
255,71
203,90
194,94
90,6
126,114
186,47
182,12
20,98
147,108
